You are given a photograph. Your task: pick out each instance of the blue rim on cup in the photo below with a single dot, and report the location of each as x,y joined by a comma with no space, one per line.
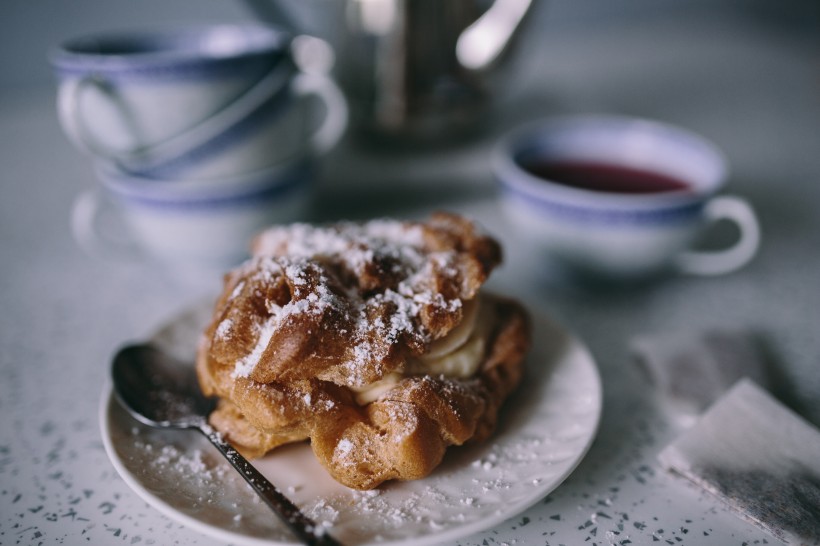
200,155
189,224
205,52
158,95
278,181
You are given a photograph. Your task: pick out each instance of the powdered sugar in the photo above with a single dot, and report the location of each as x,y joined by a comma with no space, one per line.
308,241
237,289
344,447
402,319
176,460
224,328
319,263
245,366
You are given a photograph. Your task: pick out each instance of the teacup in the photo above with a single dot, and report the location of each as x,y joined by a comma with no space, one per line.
620,197
187,225
196,102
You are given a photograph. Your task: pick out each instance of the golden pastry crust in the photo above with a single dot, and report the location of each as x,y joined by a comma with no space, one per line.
320,313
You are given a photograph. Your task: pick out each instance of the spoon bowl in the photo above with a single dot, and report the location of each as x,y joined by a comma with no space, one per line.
159,390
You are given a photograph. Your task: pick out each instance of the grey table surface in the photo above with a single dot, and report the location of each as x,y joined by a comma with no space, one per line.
749,80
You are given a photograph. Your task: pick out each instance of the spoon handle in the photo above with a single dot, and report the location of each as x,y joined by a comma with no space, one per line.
301,525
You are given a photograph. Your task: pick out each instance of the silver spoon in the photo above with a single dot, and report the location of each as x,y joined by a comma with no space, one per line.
160,391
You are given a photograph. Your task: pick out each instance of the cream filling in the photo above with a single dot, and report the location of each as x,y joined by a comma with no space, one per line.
459,335
371,392
458,354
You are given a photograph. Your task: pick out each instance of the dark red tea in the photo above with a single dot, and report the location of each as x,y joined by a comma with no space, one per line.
604,177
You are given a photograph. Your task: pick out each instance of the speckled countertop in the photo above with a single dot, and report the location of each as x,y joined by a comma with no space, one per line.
745,79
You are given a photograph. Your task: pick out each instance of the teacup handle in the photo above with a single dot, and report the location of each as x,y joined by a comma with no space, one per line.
718,262
71,115
333,126
92,217
143,158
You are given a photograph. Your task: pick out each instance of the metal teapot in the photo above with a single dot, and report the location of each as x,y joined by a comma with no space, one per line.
416,69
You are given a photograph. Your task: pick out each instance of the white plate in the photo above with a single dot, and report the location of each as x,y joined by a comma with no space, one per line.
544,432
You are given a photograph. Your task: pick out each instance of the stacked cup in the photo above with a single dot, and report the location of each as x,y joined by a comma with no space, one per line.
201,136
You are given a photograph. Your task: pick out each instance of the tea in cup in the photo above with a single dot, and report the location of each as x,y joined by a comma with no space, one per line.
620,197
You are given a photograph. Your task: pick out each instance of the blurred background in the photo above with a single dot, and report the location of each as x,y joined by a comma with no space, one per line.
29,28
569,51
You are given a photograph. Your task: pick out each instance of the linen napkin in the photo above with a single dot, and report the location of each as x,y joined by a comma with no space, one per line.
691,369
757,456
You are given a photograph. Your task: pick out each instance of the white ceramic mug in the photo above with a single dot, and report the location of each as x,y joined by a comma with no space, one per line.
194,103
621,232
189,225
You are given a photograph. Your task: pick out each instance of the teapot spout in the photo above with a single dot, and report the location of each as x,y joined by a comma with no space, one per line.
482,43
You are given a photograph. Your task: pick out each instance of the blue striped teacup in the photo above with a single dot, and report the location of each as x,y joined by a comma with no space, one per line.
620,197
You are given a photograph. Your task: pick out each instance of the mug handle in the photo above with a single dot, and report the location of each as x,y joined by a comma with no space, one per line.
334,124
70,110
143,158
718,262
92,217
